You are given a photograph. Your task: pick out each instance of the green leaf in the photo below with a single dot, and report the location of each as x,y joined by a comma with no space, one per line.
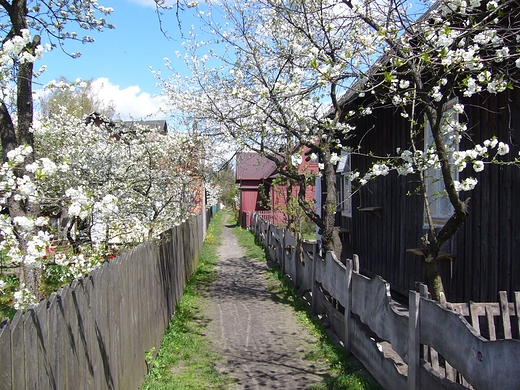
389,77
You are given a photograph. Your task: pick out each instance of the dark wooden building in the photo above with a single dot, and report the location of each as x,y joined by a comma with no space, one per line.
385,220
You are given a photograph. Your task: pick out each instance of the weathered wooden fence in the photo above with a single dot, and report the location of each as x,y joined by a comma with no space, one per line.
94,333
424,345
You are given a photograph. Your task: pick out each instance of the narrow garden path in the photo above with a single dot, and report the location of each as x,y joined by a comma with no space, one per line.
262,344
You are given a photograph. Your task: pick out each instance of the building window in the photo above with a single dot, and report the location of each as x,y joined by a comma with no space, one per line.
344,187
440,206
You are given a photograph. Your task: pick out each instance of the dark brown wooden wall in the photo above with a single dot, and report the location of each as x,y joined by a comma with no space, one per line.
485,248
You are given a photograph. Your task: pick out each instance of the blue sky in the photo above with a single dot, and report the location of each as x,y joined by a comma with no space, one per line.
120,58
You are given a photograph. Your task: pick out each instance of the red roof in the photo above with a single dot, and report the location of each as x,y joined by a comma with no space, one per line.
251,166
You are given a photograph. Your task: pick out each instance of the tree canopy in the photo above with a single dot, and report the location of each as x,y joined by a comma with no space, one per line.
276,75
77,187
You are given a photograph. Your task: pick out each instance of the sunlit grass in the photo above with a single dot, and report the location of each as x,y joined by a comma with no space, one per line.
185,360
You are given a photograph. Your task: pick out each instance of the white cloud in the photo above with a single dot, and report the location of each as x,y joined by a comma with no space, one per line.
129,102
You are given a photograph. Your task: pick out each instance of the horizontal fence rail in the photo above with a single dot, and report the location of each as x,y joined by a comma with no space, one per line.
94,333
425,345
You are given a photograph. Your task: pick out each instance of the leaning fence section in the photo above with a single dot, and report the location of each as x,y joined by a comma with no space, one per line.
94,333
422,345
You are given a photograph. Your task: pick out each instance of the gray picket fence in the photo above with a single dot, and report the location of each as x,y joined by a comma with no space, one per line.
94,333
422,345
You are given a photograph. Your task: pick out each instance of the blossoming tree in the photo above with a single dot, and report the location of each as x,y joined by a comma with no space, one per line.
23,23
426,67
265,78
270,75
102,186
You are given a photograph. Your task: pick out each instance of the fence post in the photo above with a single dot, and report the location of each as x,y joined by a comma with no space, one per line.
314,290
413,341
268,237
6,354
348,302
355,263
282,249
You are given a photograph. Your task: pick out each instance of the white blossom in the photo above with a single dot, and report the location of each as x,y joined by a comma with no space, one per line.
458,108
296,159
502,148
334,158
380,170
465,185
478,166
23,298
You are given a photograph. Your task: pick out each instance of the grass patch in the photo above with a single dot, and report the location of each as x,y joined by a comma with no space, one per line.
184,360
345,371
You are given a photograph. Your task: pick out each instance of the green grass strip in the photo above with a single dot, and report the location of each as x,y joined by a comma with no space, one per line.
185,360
345,371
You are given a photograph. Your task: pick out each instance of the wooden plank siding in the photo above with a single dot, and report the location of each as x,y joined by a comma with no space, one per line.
485,248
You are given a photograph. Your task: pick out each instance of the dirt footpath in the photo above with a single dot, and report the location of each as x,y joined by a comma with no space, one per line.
262,344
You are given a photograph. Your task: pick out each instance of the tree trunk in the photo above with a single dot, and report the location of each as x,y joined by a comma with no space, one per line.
289,212
330,236
11,138
434,278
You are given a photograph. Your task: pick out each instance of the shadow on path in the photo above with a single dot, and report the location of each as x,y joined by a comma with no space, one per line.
262,344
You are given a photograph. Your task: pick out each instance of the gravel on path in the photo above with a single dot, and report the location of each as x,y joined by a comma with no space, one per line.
262,344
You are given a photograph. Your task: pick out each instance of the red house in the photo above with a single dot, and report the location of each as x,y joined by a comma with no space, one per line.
255,174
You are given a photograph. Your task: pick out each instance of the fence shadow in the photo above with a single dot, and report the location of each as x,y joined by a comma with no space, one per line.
94,333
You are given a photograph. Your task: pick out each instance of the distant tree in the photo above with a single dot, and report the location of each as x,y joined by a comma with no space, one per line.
223,180
77,98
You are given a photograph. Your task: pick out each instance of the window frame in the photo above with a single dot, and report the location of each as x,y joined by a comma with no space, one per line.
440,206
344,186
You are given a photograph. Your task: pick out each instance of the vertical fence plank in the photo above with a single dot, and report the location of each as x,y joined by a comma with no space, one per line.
128,349
504,311
18,351
314,285
517,310
73,315
355,261
85,334
491,324
474,316
348,302
45,372
5,352
90,332
102,325
114,339
138,312
451,373
56,332
68,326
413,342
425,350
31,347
149,301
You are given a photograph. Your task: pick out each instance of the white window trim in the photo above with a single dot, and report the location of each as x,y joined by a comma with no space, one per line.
440,205
344,198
